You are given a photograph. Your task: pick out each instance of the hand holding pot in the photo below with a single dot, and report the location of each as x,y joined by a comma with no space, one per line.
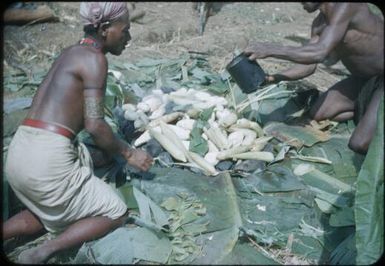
257,50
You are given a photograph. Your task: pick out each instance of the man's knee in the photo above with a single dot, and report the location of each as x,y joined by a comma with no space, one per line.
359,145
317,114
122,219
322,114
321,109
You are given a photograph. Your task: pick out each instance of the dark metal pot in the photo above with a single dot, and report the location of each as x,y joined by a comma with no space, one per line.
247,74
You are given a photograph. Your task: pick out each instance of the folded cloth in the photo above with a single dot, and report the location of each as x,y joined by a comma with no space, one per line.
365,96
96,13
53,177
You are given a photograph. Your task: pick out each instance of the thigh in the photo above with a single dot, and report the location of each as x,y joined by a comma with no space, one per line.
98,198
340,98
94,198
23,223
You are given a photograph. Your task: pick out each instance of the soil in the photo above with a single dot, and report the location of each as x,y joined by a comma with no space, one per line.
169,29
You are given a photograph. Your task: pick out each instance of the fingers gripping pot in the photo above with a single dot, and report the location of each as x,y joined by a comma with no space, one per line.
246,73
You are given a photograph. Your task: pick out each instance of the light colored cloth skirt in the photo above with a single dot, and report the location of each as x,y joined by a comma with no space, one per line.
53,178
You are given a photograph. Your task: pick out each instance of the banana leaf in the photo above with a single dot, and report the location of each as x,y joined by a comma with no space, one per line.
126,246
114,95
263,214
139,76
217,86
369,200
342,217
309,247
12,121
285,102
276,178
200,74
337,200
197,143
325,206
296,136
16,104
217,194
327,183
126,193
14,83
345,253
345,162
206,114
149,210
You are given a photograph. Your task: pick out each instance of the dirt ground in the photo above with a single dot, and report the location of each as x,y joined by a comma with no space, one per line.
170,28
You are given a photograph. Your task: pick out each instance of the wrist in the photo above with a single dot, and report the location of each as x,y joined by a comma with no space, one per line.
127,151
269,77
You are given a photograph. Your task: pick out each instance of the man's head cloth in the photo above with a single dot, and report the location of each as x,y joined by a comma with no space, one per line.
97,13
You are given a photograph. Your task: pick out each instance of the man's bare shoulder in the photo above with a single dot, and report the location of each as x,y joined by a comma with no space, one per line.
85,60
85,54
348,8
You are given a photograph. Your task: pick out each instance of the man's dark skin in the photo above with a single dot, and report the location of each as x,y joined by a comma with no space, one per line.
342,31
72,95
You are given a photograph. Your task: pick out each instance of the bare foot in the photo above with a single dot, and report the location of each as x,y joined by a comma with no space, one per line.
34,255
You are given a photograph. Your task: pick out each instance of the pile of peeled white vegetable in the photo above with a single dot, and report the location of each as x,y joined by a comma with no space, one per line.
228,135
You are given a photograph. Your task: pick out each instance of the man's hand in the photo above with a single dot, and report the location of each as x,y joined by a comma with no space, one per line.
269,79
275,78
139,159
257,50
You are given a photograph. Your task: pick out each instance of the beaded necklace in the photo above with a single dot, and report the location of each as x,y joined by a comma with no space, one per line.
90,42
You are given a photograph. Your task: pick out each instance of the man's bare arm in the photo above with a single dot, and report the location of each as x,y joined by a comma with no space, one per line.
94,83
296,72
98,127
103,135
311,53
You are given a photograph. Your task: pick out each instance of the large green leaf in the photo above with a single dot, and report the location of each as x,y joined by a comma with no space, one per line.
345,162
217,194
218,86
315,178
197,143
17,104
369,201
114,95
206,114
126,246
342,217
149,210
281,102
276,178
12,121
125,192
345,253
296,136
200,74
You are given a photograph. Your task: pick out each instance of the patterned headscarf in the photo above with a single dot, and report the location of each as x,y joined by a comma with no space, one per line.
97,13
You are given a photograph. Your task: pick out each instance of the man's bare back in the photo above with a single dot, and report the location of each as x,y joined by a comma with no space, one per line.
358,50
58,97
342,31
